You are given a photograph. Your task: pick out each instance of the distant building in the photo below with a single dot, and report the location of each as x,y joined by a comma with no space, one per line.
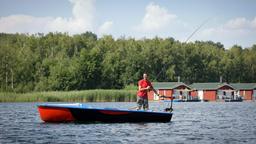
246,90
213,91
205,91
178,90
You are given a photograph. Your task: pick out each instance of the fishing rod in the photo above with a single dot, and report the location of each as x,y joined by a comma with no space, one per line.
197,29
189,37
170,109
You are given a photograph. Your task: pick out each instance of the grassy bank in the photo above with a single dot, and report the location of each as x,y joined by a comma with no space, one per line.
71,96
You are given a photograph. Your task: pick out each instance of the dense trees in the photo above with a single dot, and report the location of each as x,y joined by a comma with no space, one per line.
58,61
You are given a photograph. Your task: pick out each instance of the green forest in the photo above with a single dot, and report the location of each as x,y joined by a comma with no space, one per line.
63,62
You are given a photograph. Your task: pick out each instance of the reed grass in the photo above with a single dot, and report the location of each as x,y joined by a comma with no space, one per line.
97,95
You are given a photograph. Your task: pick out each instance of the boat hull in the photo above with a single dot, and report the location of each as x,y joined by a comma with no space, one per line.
66,113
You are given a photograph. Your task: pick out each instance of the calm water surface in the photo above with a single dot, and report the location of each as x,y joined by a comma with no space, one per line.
191,123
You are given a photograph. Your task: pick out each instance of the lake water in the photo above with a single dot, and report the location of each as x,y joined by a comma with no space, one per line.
191,123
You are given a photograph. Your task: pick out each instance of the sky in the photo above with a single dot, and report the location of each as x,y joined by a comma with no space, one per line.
230,22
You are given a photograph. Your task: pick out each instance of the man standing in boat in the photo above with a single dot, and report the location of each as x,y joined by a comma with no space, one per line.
142,95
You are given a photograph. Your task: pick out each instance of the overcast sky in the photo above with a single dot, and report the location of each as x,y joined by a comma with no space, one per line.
227,21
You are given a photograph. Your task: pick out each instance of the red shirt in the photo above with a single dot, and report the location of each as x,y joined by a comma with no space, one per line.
143,84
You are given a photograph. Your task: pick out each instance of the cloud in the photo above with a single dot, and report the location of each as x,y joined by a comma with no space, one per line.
238,23
105,27
155,19
253,23
81,21
235,31
24,24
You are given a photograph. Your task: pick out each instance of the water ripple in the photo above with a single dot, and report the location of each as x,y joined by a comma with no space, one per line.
191,123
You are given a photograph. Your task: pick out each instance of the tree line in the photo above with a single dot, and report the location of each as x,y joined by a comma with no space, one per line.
59,61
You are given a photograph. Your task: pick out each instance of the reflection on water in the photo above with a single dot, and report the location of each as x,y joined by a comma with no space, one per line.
191,123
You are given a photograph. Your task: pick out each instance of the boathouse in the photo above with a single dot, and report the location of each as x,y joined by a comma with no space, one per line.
246,90
177,90
213,91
